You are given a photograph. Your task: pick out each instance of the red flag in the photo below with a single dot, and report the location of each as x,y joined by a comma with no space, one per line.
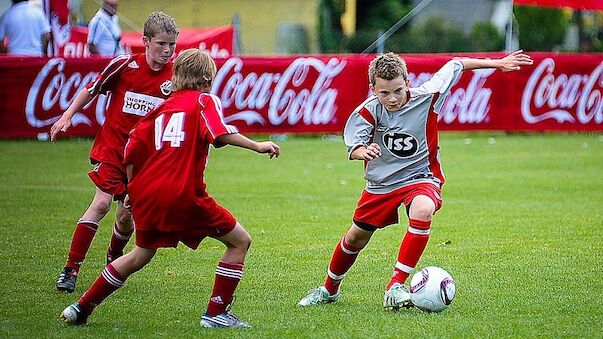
575,4
57,12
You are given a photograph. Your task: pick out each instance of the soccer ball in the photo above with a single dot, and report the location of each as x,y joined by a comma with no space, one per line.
432,289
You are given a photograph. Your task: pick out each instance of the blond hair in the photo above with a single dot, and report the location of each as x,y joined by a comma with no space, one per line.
193,69
387,66
159,22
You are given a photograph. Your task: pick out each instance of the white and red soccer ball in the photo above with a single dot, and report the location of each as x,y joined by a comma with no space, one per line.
432,289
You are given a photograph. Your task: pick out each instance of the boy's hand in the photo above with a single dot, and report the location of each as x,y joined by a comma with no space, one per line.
270,148
372,151
62,125
514,61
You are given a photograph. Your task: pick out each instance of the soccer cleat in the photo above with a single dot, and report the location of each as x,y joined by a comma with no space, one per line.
67,280
74,315
318,295
223,320
397,296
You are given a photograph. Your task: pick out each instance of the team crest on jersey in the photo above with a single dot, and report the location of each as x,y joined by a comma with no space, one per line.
401,145
166,87
133,64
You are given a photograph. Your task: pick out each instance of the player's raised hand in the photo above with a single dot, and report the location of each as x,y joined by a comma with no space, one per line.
62,125
373,151
514,61
269,147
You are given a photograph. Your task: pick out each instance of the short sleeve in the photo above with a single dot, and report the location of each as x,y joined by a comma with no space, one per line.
358,129
92,31
443,80
44,26
211,111
102,82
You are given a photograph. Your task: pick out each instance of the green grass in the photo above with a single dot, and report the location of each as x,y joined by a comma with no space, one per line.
523,215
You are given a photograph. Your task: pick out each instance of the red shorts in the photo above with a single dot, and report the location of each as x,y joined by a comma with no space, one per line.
380,210
110,179
218,225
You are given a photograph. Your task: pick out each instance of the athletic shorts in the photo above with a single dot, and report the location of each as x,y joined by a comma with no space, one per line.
380,210
220,224
110,179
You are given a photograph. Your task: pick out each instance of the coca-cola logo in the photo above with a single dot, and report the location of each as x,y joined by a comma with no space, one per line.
300,94
52,88
469,105
555,96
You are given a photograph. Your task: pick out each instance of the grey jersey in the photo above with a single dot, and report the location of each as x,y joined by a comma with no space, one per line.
408,137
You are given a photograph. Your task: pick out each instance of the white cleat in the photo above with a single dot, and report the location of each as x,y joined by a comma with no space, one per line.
397,296
223,320
317,296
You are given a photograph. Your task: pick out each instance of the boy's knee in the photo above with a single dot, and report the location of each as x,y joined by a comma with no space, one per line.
102,205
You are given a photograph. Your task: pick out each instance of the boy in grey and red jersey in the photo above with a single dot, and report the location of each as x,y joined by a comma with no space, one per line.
166,157
135,85
395,133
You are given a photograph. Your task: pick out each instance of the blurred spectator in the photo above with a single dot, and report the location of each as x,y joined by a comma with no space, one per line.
104,33
25,28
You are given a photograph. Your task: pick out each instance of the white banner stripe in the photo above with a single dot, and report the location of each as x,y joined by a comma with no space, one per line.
111,279
418,231
404,268
335,276
345,250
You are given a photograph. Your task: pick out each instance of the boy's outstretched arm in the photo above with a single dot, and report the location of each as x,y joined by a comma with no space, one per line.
242,141
510,63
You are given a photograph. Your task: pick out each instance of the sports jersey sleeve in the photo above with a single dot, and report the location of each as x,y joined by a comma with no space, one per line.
104,80
211,112
358,129
443,80
93,28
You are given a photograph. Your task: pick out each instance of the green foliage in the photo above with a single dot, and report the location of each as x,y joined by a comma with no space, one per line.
486,38
540,28
435,34
520,231
330,33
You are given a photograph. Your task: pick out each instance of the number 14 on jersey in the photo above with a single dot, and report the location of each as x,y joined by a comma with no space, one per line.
173,132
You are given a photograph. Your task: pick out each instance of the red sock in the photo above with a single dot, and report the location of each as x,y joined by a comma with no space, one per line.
80,243
106,283
119,240
227,278
411,249
343,258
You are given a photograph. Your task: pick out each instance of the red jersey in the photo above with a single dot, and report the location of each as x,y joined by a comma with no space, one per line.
135,89
168,150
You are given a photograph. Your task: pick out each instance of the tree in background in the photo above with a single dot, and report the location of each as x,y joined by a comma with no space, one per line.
330,32
540,29
485,37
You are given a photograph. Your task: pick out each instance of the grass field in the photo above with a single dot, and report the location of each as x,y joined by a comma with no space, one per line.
521,231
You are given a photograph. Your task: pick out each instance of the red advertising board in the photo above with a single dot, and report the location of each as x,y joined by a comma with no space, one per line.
217,41
316,94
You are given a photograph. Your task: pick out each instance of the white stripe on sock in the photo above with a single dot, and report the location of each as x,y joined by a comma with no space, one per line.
335,276
111,279
227,272
120,236
404,268
345,250
418,231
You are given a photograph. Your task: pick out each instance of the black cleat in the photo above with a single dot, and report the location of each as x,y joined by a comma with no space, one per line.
67,280
74,315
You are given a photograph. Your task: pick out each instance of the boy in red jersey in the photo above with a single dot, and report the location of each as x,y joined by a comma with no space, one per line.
166,157
136,83
395,133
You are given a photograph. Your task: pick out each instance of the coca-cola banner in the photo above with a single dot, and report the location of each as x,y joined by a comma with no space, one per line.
217,41
316,94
